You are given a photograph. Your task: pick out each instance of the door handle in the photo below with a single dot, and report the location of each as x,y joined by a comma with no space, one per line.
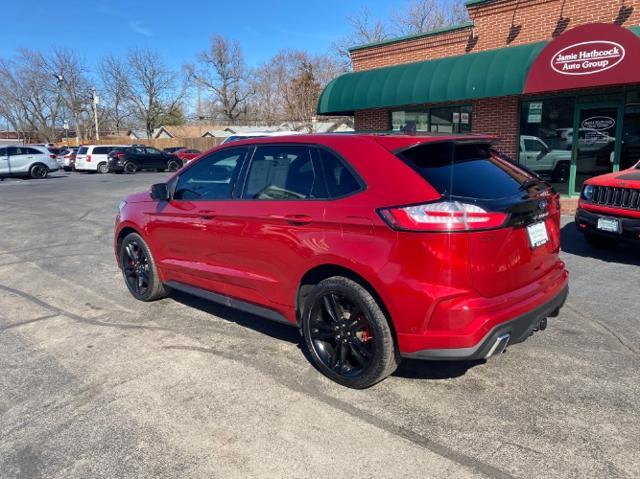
207,214
298,219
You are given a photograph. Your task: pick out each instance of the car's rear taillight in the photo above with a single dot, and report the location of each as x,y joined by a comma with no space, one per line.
119,155
87,158
53,157
442,216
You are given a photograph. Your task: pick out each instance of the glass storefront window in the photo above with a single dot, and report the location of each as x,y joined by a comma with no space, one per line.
455,119
546,139
630,152
410,120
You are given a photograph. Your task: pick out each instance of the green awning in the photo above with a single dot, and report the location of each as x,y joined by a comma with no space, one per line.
485,74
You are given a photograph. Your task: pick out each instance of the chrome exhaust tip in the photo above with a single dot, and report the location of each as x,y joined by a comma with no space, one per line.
499,345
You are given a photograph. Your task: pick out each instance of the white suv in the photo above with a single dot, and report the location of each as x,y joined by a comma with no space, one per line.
26,160
94,157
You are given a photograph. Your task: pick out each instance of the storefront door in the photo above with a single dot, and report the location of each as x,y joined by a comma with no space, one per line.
596,142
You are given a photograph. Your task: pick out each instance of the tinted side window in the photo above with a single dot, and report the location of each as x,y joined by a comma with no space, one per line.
211,178
31,151
83,150
469,171
532,145
153,151
340,181
3,152
15,151
282,173
101,150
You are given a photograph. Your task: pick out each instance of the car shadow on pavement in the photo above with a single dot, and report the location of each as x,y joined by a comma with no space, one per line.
409,368
264,326
574,243
419,369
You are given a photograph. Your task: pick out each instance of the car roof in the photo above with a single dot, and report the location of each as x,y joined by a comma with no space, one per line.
390,141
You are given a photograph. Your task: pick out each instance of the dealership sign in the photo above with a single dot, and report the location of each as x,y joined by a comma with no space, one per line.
587,58
599,123
593,55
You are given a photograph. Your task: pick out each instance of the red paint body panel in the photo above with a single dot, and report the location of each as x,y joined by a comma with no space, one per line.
441,290
618,179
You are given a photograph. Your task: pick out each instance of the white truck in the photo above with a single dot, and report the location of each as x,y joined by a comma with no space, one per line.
536,155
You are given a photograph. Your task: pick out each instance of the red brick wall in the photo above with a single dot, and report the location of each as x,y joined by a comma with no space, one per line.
491,116
498,116
378,120
414,50
501,23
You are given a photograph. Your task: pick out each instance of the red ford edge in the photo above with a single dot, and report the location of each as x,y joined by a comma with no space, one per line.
377,247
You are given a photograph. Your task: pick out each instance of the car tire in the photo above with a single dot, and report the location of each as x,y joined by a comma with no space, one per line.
600,242
173,165
130,168
561,172
103,168
355,352
38,171
139,269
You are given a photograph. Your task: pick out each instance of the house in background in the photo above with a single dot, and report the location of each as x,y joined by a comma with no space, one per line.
138,134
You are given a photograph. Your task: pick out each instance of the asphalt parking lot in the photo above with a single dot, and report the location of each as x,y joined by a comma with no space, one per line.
95,384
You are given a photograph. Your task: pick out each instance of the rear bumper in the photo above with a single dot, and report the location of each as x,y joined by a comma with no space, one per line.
467,327
504,334
587,221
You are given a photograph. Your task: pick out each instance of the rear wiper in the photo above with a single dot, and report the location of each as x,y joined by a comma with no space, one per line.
528,183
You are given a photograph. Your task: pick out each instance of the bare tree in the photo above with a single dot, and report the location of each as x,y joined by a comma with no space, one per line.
154,89
116,87
222,71
28,94
74,86
364,29
420,16
288,86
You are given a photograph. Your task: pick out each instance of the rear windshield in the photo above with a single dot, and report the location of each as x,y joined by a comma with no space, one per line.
83,150
466,170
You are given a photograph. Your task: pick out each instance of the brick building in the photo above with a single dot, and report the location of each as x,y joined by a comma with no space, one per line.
531,72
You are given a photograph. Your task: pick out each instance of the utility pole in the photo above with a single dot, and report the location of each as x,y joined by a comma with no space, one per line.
65,123
95,112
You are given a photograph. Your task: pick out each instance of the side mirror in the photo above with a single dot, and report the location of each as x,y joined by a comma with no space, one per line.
160,192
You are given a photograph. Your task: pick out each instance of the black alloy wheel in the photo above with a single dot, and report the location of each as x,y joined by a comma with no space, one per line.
341,335
173,165
136,268
130,168
347,334
139,270
38,172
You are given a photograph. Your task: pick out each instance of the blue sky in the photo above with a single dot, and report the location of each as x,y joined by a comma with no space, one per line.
177,29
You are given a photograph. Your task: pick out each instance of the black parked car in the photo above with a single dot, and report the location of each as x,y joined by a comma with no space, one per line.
134,158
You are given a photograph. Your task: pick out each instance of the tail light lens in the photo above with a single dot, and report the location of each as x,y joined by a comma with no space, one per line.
442,216
87,158
119,155
53,157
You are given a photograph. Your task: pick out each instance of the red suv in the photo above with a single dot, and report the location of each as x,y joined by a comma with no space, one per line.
376,246
609,208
